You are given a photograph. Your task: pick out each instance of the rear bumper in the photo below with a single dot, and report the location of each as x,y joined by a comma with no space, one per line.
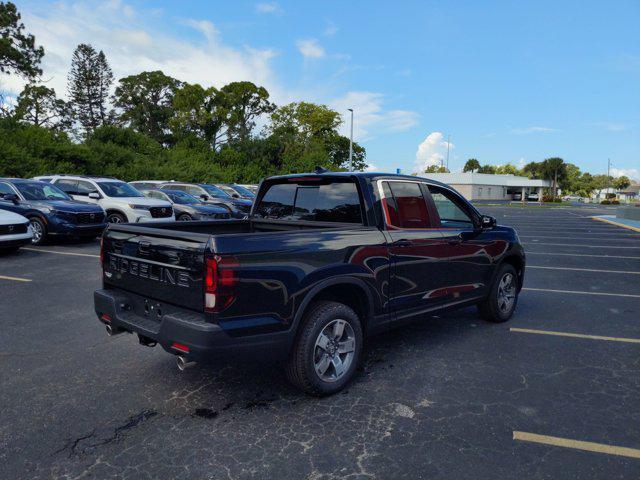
204,340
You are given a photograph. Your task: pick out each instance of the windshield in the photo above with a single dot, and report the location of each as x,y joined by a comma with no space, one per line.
215,191
41,191
244,191
181,197
119,189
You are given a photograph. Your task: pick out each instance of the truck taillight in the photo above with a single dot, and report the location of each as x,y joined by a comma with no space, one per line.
220,281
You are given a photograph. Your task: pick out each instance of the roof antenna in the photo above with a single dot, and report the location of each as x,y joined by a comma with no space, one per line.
320,170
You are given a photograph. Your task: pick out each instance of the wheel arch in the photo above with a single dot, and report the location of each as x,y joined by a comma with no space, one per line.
111,210
518,263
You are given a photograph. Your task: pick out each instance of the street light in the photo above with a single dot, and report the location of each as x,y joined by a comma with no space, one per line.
351,141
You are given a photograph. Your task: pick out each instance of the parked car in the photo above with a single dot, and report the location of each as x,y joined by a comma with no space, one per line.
122,202
15,231
324,260
517,197
187,207
237,191
238,208
251,187
147,184
533,197
50,211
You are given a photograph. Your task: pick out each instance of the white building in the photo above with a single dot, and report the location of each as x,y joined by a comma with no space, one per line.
484,186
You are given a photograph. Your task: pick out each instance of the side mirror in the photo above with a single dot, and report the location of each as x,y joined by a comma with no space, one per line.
204,197
95,195
12,197
487,222
235,195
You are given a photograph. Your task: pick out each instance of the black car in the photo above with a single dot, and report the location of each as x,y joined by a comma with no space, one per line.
50,211
187,207
238,207
324,260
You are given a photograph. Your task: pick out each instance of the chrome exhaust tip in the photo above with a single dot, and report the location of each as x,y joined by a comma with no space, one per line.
183,363
109,330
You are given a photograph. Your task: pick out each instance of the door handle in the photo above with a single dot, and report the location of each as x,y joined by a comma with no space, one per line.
402,243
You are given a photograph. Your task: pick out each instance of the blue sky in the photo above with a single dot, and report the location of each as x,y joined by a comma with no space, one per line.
507,81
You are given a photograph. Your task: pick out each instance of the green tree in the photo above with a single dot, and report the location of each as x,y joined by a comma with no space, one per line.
145,103
507,169
621,183
533,170
88,82
472,165
436,169
39,106
487,169
554,169
245,102
200,113
18,51
571,182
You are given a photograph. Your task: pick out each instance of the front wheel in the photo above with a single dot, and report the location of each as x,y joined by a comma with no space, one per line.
39,231
499,306
327,351
185,217
115,217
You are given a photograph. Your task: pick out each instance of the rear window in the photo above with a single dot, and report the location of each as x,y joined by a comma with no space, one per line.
333,202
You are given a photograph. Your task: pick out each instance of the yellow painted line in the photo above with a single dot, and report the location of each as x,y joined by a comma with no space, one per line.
577,444
584,269
15,279
611,222
61,253
578,245
581,255
576,335
581,292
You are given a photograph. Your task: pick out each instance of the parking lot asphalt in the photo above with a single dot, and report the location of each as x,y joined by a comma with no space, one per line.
554,393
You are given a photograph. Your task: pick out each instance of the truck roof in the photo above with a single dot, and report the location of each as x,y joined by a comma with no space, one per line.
369,175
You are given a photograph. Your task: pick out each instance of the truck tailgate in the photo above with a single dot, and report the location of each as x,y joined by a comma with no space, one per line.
156,264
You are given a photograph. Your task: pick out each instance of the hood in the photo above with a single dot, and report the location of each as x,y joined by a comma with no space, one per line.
242,202
149,202
67,205
10,218
208,209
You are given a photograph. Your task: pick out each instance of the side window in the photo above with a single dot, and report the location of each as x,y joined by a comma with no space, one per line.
405,205
449,210
5,189
67,186
182,188
85,188
195,191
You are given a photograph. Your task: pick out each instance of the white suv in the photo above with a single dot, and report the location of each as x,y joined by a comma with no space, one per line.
121,201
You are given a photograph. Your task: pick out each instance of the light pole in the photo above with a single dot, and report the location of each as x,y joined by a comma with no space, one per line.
351,141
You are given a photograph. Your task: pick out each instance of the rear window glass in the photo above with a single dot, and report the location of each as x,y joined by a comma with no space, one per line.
333,202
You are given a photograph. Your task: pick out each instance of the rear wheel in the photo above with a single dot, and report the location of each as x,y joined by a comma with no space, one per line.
328,349
499,306
185,217
39,231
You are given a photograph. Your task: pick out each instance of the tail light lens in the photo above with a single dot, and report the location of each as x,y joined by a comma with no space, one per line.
220,282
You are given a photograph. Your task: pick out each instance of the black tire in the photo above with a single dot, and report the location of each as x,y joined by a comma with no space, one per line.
301,365
494,308
115,217
184,217
39,231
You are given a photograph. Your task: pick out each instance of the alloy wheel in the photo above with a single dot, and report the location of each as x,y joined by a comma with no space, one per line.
334,350
506,293
37,231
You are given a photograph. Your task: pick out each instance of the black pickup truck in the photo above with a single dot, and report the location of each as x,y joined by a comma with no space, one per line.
322,261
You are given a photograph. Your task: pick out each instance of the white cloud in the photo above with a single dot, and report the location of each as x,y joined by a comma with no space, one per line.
132,46
310,48
371,168
330,30
370,117
534,129
632,173
267,7
432,151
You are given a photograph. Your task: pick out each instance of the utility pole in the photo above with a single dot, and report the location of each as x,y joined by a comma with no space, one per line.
448,143
351,141
608,173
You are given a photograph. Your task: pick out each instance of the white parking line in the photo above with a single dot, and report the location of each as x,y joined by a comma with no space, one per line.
616,238
578,292
581,255
15,279
583,269
575,335
60,253
580,245
577,444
